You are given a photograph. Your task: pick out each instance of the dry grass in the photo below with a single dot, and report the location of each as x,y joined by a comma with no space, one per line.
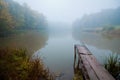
77,74
15,65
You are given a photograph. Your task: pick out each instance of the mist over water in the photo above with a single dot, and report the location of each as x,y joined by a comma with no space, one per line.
62,24
69,10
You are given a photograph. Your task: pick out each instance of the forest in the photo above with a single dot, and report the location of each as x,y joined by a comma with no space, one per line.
14,17
105,18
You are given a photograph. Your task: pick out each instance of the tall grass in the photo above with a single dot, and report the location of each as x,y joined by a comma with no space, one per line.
113,65
16,65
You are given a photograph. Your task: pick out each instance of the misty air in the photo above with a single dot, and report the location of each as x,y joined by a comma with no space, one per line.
59,40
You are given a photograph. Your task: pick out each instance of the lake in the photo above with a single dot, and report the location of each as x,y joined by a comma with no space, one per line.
57,48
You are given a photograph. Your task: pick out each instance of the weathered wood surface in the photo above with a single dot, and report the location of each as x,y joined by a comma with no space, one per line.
90,67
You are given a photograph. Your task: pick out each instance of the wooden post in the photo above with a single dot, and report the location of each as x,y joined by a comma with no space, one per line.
74,55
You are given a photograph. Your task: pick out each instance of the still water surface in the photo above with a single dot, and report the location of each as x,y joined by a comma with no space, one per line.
57,49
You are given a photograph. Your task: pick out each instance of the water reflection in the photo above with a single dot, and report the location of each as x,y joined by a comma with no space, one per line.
30,40
57,51
99,41
58,55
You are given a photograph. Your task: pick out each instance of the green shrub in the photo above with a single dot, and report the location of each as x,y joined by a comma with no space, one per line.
113,65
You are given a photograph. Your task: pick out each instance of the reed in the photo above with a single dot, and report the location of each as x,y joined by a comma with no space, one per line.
16,65
113,65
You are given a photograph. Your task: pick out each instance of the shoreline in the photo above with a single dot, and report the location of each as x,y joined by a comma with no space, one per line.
112,33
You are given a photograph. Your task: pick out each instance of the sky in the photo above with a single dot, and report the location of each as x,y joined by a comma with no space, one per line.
69,10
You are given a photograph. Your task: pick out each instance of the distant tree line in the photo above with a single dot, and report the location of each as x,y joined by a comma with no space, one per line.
14,16
101,19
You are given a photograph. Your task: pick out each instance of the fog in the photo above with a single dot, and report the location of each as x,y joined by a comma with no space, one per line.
69,10
50,29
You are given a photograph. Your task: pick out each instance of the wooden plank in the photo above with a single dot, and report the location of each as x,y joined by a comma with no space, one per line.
101,72
89,71
91,68
82,50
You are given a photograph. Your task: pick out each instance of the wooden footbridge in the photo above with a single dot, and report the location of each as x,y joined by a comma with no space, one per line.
90,68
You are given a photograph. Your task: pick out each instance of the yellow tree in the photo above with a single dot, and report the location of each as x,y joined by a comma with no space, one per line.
6,22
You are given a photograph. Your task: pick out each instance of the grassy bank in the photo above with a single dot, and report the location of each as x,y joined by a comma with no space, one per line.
113,31
15,65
